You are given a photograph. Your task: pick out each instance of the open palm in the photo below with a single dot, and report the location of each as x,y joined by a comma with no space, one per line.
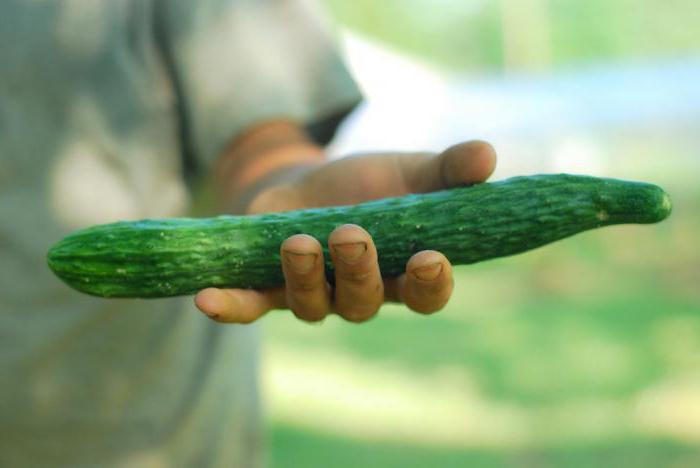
359,288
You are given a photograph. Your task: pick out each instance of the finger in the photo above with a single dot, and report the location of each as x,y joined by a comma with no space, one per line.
427,284
307,291
464,163
359,290
238,305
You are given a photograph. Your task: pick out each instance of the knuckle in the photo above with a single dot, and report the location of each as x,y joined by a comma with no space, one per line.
427,309
357,313
309,315
354,276
309,311
302,287
431,290
428,299
309,303
428,304
356,318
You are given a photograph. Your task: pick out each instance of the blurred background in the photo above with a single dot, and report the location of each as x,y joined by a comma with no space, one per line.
584,353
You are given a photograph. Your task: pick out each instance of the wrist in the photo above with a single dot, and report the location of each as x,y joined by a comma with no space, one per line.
268,155
277,191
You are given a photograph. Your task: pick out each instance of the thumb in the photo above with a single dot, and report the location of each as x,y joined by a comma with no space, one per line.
462,164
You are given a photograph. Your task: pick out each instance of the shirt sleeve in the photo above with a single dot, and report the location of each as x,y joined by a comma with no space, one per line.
235,63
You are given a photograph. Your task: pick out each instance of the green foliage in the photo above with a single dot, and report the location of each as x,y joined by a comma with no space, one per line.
467,35
453,34
608,29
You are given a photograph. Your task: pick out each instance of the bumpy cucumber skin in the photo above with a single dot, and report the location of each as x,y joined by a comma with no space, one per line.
160,258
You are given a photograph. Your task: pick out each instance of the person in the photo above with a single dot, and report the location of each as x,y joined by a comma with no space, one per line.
144,109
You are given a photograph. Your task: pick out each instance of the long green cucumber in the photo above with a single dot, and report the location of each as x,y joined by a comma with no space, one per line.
170,257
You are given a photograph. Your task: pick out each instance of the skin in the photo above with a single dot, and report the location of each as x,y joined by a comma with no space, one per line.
276,167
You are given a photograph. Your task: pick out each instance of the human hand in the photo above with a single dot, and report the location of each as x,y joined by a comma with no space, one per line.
359,288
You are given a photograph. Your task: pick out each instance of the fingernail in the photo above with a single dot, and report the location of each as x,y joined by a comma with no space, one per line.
428,272
350,252
300,262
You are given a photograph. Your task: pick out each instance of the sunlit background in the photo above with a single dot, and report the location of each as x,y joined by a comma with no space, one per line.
584,353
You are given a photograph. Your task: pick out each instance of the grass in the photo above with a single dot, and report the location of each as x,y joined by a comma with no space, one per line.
299,449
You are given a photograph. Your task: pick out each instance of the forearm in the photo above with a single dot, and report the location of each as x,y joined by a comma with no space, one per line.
267,154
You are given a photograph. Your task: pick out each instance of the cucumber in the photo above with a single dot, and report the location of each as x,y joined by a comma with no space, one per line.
171,257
